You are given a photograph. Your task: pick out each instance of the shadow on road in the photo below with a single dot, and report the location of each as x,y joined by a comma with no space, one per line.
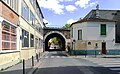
66,70
75,70
20,71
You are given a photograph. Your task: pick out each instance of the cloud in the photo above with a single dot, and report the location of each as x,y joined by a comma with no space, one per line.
82,3
70,21
59,8
70,8
85,3
93,3
53,5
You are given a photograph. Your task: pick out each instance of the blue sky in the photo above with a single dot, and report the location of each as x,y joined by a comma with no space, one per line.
59,12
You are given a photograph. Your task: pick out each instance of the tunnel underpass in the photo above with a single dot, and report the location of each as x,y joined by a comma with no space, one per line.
55,47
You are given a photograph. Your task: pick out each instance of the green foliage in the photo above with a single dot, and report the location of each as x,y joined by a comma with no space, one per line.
67,25
55,40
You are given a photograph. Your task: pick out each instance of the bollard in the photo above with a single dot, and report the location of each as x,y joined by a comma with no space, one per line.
37,57
32,61
23,66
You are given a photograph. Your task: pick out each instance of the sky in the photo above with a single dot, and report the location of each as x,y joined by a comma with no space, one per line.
57,13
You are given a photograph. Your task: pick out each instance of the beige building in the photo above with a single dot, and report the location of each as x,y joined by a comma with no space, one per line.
21,36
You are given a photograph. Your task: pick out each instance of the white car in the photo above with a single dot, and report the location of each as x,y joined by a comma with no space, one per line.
52,47
57,47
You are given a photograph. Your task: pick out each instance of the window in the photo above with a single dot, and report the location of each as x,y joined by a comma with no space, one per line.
36,43
39,28
40,43
31,40
9,36
89,43
38,12
8,2
4,0
25,38
103,29
32,2
32,18
79,34
25,11
15,5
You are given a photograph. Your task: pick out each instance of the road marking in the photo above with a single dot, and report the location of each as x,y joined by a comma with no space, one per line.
107,62
46,57
55,57
52,57
64,57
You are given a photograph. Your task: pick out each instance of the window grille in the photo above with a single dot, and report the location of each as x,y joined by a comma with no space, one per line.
9,36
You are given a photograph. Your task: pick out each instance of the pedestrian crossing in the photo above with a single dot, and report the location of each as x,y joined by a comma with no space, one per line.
55,57
111,63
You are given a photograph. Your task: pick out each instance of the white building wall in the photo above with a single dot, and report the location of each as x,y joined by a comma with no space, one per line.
81,26
91,31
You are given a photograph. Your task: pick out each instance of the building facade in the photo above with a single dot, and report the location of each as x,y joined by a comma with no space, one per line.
94,35
21,23
108,14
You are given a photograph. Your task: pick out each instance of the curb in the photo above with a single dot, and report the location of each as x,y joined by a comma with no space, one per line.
67,54
32,71
34,68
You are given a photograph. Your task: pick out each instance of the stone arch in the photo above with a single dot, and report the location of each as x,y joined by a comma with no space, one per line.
51,34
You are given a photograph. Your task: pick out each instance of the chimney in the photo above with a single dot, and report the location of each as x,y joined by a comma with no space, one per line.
97,11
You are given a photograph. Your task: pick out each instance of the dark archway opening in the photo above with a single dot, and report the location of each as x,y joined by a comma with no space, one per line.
55,47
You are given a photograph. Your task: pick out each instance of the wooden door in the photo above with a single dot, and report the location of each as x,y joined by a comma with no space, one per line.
103,47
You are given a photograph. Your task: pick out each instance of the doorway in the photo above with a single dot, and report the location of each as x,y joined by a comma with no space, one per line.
103,47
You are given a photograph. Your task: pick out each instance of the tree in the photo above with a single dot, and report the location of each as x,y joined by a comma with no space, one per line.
67,26
55,40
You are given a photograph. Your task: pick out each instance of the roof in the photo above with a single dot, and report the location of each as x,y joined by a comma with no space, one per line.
93,20
93,10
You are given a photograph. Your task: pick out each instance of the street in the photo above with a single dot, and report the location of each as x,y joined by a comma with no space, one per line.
60,63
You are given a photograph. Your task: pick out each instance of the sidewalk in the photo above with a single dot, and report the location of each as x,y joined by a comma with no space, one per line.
95,56
29,69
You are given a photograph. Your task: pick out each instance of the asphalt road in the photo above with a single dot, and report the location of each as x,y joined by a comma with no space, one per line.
60,63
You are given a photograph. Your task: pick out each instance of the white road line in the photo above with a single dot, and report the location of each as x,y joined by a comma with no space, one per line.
57,56
46,57
107,62
52,57
63,57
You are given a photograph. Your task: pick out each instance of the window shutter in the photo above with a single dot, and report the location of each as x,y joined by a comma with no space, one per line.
103,29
